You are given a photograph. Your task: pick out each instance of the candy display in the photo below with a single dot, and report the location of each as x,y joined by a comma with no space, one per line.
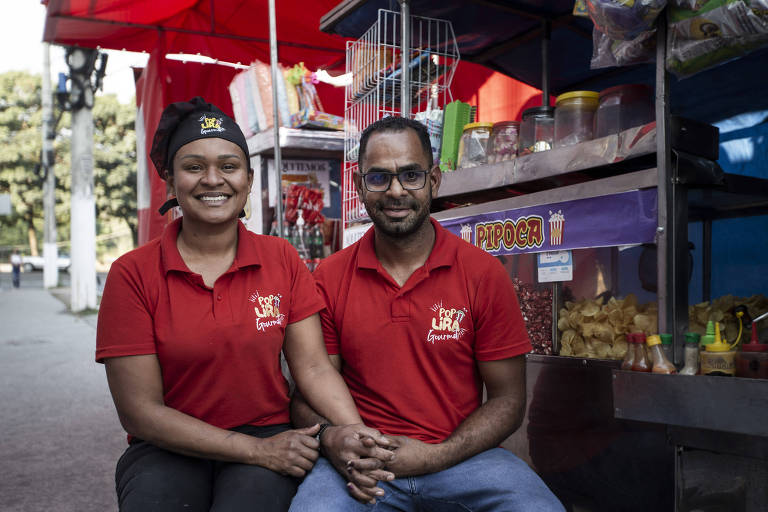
473,145
536,306
537,131
503,143
622,107
575,117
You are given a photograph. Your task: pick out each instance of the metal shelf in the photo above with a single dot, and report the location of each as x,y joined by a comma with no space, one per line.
726,404
590,155
295,142
611,185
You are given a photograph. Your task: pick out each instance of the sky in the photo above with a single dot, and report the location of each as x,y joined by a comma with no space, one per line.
21,39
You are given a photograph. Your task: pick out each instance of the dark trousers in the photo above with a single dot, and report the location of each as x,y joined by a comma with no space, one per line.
16,275
150,479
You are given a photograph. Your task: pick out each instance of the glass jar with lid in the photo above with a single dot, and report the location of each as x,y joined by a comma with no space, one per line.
575,117
537,130
473,145
503,143
623,107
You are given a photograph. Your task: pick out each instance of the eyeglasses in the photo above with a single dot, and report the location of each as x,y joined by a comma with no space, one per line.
381,181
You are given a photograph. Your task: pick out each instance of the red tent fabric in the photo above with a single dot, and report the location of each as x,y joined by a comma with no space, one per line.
232,31
227,30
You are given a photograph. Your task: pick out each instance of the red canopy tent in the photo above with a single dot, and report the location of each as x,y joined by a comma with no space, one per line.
231,31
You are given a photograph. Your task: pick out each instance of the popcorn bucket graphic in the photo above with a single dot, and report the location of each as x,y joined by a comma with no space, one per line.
556,223
466,233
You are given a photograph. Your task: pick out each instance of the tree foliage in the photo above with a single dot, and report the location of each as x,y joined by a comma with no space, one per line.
20,173
20,145
114,155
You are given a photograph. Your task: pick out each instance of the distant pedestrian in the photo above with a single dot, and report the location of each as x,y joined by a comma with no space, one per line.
16,268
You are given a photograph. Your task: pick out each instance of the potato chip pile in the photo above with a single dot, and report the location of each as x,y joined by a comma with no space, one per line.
721,310
592,329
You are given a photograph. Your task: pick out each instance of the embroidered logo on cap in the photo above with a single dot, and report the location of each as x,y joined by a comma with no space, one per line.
210,124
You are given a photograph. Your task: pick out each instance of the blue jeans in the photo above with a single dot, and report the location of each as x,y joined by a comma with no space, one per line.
494,480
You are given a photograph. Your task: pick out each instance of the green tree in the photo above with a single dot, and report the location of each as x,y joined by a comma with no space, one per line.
20,145
114,154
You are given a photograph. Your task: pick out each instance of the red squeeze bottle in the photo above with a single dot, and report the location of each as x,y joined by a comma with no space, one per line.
641,363
629,357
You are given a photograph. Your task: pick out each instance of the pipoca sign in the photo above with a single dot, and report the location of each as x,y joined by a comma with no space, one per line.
627,218
520,233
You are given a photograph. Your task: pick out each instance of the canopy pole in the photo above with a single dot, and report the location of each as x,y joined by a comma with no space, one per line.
405,51
276,120
546,36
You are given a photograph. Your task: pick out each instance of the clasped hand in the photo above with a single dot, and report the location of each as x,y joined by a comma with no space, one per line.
366,457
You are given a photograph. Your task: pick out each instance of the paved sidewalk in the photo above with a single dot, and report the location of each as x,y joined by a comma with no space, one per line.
59,434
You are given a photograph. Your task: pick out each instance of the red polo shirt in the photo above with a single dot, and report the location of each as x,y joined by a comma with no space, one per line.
219,348
410,352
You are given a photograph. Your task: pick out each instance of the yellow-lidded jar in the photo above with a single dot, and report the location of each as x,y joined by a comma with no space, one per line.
575,117
473,145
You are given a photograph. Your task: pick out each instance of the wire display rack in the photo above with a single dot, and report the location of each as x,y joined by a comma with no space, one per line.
375,62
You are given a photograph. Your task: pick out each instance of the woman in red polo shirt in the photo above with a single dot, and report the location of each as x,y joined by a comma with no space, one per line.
190,330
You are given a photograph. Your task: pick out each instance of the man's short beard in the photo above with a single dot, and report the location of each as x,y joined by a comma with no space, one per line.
399,229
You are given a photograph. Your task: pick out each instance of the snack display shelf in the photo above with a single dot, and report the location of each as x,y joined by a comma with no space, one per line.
599,153
295,142
734,405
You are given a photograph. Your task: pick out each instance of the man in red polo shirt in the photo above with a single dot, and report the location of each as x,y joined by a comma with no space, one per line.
418,320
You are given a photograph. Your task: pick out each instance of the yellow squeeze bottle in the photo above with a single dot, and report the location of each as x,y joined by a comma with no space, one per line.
718,357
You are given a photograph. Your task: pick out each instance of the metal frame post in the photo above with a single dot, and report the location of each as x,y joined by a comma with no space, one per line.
706,263
546,37
405,51
50,249
276,119
672,231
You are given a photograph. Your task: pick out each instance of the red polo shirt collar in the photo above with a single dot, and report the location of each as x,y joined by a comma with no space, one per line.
247,249
443,253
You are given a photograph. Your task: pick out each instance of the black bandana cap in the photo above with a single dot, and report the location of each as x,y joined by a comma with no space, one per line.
186,121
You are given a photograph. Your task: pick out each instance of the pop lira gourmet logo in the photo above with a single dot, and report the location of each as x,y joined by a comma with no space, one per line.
446,324
210,124
267,309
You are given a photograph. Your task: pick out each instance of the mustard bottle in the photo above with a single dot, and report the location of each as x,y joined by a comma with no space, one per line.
718,357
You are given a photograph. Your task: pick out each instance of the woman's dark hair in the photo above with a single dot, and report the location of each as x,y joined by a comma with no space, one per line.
395,124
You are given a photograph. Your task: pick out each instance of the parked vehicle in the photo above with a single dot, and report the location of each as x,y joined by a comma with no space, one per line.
32,263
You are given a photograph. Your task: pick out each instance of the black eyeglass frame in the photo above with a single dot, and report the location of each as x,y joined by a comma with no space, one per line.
392,175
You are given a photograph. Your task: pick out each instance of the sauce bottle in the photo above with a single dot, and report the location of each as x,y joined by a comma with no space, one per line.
691,354
718,358
629,357
641,363
660,362
666,345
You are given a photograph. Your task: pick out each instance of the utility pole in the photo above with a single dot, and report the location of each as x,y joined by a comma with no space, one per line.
82,269
50,250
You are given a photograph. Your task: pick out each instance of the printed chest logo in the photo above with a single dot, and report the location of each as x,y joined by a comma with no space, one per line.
267,310
446,324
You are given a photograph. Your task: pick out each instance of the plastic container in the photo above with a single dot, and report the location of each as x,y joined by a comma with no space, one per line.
537,130
473,145
575,117
666,345
622,107
503,144
718,358
660,362
629,357
691,355
640,363
752,360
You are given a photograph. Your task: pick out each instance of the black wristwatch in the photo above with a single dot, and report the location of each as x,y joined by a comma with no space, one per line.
322,429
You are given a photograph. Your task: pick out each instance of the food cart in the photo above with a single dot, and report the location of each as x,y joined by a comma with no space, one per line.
603,438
